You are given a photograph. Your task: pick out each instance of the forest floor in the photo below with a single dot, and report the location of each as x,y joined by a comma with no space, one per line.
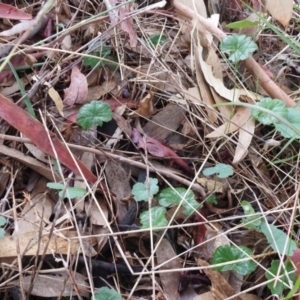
149,150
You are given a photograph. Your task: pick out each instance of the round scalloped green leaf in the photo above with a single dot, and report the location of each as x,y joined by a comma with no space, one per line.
278,239
55,186
73,192
106,293
156,38
293,117
222,171
143,191
224,254
94,113
239,46
2,221
276,106
2,233
287,273
158,217
173,196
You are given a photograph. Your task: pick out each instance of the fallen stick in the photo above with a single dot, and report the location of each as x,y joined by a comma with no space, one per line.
271,88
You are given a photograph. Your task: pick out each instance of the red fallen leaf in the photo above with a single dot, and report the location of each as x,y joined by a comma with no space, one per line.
17,61
266,70
35,131
77,92
155,148
296,260
10,12
201,229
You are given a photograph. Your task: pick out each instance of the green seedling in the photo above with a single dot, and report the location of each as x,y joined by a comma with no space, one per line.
94,113
70,192
2,223
166,198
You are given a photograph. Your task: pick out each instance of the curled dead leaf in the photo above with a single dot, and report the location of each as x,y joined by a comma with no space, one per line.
77,92
145,108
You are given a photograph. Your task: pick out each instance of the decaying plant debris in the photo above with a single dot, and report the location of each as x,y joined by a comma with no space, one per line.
158,68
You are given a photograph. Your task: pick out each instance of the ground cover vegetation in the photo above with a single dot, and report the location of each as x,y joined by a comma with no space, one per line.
149,149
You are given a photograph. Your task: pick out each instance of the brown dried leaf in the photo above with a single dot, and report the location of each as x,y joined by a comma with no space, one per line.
246,133
169,281
241,116
216,83
66,243
93,211
37,210
55,284
77,92
280,10
118,181
96,92
220,287
145,108
165,122
31,162
127,26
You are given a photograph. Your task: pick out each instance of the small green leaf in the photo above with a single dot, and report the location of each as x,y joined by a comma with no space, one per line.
239,46
242,24
94,113
55,186
276,106
2,233
2,221
253,219
154,39
293,117
277,239
173,196
287,272
231,253
212,199
142,191
101,51
73,192
222,170
158,217
105,293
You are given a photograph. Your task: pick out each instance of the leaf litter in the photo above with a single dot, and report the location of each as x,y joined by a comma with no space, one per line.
72,175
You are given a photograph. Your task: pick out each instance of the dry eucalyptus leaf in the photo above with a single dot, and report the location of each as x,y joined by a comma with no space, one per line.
246,133
241,116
